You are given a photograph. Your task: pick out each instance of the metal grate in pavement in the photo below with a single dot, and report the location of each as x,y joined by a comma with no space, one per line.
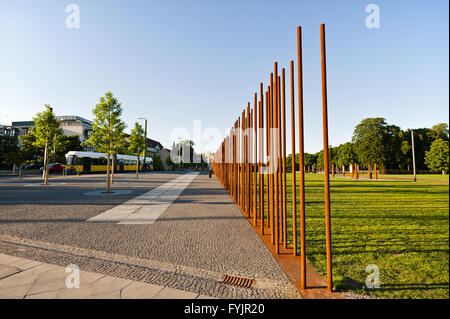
238,281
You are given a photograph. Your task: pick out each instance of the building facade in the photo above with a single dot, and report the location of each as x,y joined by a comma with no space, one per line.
70,124
9,130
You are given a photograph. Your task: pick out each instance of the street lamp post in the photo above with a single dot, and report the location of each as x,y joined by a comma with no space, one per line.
413,155
145,146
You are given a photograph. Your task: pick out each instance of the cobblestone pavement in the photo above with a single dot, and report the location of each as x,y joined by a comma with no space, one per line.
200,238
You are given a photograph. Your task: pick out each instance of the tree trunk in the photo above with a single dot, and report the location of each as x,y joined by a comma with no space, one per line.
45,158
46,163
137,167
112,170
107,174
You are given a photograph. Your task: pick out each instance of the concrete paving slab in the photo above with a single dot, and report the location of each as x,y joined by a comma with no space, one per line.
108,295
171,293
108,284
26,276
46,285
43,295
137,290
15,291
205,297
74,293
6,271
17,262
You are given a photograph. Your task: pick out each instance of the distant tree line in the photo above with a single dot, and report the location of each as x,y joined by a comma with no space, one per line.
375,141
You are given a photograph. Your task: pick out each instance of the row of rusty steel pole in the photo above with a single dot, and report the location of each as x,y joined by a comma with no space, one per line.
251,162
354,171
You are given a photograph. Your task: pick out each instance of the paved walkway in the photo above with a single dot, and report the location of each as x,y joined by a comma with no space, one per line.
22,278
190,246
146,208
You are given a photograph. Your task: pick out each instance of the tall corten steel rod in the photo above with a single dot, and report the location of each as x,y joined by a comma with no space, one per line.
280,164
234,162
271,164
301,161
275,151
294,177
250,161
247,166
244,181
267,155
261,152
325,160
254,161
284,155
241,164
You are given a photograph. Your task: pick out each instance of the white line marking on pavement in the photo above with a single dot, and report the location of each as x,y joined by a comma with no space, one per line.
146,208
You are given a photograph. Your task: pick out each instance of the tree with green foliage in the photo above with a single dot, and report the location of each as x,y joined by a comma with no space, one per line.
28,148
309,159
68,143
345,154
137,144
47,134
369,138
440,131
423,138
437,157
393,155
107,135
332,157
158,164
9,150
169,163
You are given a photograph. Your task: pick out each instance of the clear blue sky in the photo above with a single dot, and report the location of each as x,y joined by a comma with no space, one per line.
179,61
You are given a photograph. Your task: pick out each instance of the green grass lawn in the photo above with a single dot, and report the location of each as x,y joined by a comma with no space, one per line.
419,177
400,226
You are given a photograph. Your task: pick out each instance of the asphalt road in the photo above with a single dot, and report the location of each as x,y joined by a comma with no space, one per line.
201,237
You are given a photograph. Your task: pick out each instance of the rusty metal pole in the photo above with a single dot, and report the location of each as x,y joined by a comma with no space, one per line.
261,153
234,161
249,180
267,155
247,184
272,225
375,171
242,161
294,177
280,162
250,172
284,156
233,181
241,120
266,189
301,160
332,169
325,161
254,161
244,181
275,151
